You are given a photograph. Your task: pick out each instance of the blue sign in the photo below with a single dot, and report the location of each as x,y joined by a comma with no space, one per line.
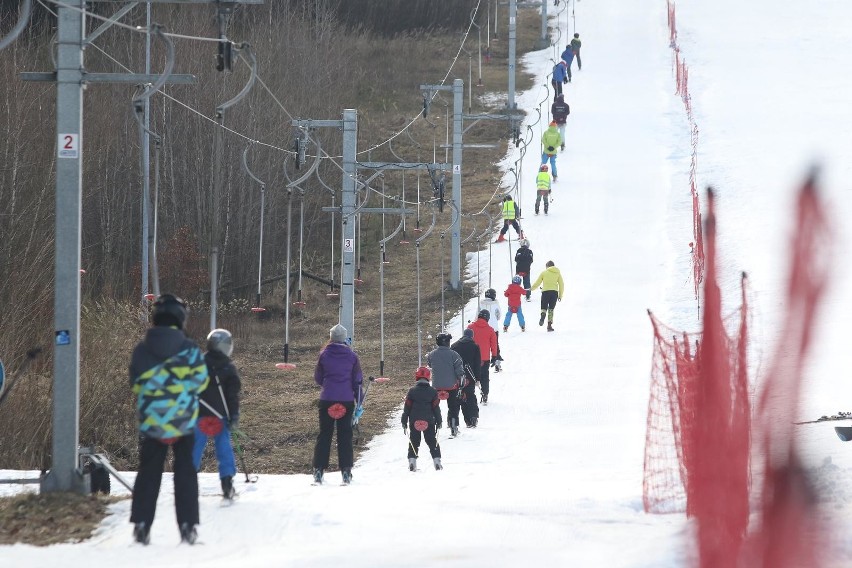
63,337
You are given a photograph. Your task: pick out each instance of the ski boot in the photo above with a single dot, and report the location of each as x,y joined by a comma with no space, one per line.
228,491
437,462
188,533
347,476
473,422
523,328
484,399
142,533
454,428
541,319
412,464
318,476
550,326
500,238
505,328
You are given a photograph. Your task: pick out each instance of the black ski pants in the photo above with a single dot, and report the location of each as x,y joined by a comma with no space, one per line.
484,379
548,303
513,223
429,434
322,450
453,405
146,488
469,407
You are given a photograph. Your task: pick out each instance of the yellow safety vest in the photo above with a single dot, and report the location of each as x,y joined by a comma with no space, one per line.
509,210
542,181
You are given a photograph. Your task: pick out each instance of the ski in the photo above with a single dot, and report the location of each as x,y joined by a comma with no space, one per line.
843,432
833,417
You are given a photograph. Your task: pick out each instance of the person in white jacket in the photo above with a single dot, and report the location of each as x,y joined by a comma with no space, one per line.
491,304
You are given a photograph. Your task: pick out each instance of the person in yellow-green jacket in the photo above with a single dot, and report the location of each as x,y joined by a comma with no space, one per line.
551,141
542,186
511,214
552,287
167,373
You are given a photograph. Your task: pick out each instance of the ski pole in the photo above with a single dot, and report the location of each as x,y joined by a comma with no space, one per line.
249,479
407,437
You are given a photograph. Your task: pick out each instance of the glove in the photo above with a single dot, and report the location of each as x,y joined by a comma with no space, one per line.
359,410
565,80
234,424
404,423
438,425
559,299
550,148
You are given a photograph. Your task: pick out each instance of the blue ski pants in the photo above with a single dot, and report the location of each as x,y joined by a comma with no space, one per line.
508,319
224,452
552,157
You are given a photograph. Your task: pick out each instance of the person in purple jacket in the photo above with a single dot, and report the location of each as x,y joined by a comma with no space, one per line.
338,372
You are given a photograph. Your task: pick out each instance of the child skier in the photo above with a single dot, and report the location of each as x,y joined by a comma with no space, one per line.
449,377
511,214
514,292
486,339
523,264
491,304
220,408
422,413
542,186
167,373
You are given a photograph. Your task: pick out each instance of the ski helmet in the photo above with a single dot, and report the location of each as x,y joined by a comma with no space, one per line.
525,243
543,168
423,373
220,340
443,338
484,314
507,198
170,310
491,293
516,279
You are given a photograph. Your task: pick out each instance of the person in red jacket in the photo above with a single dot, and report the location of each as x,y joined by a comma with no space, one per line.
515,292
486,339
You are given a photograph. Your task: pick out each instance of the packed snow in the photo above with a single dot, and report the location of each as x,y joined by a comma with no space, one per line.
553,473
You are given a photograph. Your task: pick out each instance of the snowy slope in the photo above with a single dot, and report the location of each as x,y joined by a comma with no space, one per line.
553,474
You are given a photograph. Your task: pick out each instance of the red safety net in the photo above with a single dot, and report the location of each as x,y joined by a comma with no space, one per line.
681,72
790,532
699,427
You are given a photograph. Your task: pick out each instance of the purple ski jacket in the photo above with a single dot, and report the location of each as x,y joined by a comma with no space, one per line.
338,372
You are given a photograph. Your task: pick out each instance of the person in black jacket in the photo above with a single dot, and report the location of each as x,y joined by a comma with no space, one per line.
560,111
422,412
467,348
220,408
167,373
523,264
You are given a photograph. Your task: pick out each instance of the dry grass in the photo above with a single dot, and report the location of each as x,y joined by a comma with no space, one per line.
279,407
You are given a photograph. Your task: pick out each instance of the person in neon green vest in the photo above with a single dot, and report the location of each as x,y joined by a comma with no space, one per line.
511,213
542,186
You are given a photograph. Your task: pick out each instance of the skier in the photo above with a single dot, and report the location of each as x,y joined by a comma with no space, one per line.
523,264
550,141
552,286
568,58
542,185
338,372
560,111
511,213
486,339
220,408
560,75
491,304
575,47
448,377
422,413
514,292
167,373
468,350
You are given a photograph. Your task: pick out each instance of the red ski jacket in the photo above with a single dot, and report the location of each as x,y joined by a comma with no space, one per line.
514,293
485,338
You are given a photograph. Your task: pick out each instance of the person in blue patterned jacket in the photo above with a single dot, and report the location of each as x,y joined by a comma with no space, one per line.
167,373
